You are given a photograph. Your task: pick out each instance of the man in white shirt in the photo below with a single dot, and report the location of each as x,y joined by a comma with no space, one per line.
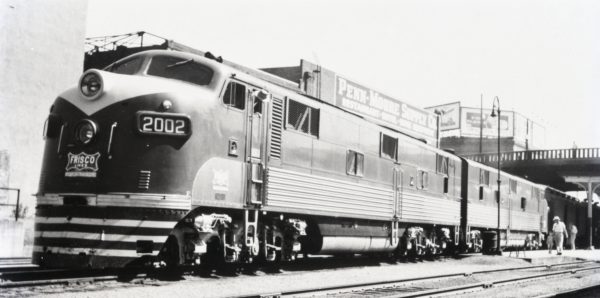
559,232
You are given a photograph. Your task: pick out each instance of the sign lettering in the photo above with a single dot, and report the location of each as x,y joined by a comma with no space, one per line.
356,98
82,165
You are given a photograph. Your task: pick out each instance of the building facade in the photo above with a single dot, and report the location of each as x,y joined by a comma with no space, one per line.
41,53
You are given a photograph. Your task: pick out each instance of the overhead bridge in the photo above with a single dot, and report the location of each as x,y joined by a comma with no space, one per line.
549,167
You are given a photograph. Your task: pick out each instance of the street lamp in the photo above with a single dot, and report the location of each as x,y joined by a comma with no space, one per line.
496,109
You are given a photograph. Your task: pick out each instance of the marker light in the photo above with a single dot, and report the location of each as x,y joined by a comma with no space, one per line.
85,131
91,84
166,105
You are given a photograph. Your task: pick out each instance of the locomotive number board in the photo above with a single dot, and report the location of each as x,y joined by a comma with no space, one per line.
164,124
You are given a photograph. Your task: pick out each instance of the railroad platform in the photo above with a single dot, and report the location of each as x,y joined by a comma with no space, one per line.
542,257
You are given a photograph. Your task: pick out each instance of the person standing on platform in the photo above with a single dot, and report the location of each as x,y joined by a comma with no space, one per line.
559,233
573,236
550,242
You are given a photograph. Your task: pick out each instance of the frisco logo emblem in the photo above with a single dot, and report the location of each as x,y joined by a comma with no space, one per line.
82,165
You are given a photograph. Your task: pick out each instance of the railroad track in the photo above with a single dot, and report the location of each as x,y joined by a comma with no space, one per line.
24,276
413,287
44,277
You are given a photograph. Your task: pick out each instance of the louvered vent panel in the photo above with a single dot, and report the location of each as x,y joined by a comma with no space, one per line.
42,183
276,128
144,179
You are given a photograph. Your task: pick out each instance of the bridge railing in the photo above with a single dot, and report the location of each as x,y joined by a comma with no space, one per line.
554,154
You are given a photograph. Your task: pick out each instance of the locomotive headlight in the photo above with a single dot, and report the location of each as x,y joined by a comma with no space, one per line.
85,131
91,84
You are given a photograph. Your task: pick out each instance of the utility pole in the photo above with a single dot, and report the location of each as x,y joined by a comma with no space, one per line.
481,124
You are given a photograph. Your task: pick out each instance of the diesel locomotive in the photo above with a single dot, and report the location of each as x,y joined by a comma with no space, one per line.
173,158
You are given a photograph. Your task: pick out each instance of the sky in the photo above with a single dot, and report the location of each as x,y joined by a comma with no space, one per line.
541,58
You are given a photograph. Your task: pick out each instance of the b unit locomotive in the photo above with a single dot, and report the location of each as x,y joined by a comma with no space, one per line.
173,157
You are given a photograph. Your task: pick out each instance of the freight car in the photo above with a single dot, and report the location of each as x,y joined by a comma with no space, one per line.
175,158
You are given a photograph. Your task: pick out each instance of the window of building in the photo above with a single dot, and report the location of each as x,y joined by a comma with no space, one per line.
303,118
481,193
388,147
523,203
355,163
235,95
423,177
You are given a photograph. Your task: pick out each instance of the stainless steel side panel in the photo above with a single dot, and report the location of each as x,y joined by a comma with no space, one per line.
418,207
525,221
486,216
311,194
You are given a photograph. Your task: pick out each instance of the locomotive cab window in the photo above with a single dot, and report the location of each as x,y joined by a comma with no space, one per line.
182,69
235,95
388,147
302,118
355,163
128,67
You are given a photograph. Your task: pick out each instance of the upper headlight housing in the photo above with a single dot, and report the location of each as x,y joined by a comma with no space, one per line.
91,84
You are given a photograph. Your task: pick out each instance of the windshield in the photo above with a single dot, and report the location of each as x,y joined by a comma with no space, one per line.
182,69
128,67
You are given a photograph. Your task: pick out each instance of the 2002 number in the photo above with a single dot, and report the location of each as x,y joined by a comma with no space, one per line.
154,124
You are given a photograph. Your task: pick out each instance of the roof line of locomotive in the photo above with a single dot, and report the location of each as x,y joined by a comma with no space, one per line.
261,78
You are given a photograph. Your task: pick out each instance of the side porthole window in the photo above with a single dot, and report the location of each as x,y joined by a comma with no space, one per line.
388,147
235,95
446,184
303,118
354,163
423,179
513,186
441,164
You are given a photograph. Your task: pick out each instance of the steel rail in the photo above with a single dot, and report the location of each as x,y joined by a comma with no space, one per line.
46,277
489,284
406,280
572,292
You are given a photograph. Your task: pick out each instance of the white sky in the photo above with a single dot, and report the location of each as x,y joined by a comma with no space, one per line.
542,58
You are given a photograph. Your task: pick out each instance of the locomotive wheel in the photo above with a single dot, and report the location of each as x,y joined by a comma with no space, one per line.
170,252
213,258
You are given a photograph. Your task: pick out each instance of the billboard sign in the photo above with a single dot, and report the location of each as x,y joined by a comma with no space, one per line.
369,103
471,123
450,118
